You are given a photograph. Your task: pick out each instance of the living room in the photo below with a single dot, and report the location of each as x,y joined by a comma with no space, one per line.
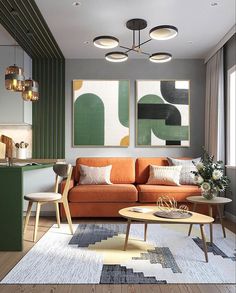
130,105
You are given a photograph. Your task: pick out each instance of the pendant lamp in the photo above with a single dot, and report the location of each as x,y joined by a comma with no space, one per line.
14,77
31,90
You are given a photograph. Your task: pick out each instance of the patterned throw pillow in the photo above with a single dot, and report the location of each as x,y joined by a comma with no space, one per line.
186,177
95,175
164,175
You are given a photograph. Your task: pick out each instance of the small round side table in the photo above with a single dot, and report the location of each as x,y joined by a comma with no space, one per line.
217,201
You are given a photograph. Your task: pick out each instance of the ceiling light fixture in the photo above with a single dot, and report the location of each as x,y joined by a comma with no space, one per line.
162,32
116,57
161,57
31,90
105,42
14,76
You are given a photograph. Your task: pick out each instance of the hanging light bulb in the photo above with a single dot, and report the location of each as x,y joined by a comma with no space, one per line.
31,90
14,77
31,87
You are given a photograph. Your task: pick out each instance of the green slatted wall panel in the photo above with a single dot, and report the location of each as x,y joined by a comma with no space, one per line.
49,111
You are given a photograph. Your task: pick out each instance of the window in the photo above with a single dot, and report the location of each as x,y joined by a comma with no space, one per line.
231,117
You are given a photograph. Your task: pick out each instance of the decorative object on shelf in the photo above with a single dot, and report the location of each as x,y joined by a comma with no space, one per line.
101,113
160,33
2,150
210,176
168,209
9,145
21,150
31,90
14,76
163,113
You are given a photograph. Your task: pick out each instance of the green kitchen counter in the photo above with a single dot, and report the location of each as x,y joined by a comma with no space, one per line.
11,205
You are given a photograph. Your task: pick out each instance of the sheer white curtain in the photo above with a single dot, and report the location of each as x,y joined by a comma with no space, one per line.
214,107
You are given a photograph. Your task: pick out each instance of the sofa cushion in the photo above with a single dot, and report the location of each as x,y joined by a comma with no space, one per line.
186,175
150,193
164,175
122,172
103,193
94,175
142,167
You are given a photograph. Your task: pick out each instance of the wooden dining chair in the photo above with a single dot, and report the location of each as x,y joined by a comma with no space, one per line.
41,198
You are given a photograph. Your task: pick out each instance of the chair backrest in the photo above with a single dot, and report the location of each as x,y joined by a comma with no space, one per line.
63,171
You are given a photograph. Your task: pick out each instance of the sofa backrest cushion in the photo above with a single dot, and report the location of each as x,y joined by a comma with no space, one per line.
142,167
122,172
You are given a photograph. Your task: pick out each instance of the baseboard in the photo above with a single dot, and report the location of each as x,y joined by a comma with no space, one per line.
230,217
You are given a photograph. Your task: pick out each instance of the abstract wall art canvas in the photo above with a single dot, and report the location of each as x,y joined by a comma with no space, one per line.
163,113
101,113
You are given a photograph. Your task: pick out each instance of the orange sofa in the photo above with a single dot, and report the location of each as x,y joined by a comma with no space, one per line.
128,189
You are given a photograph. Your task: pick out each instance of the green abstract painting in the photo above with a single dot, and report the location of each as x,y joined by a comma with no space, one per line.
101,113
163,113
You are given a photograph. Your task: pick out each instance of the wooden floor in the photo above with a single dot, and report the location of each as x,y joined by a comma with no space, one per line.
9,259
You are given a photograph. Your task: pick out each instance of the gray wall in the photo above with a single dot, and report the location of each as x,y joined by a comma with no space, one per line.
188,69
229,61
230,52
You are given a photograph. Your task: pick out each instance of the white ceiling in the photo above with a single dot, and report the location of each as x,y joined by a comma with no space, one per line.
5,37
201,26
199,22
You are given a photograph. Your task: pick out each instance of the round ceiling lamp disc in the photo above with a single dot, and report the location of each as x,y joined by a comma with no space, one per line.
116,56
163,32
161,57
105,42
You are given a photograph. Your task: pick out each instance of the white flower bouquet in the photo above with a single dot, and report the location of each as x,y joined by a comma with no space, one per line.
210,176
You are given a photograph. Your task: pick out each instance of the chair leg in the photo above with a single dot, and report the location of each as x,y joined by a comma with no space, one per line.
27,215
68,216
57,214
37,220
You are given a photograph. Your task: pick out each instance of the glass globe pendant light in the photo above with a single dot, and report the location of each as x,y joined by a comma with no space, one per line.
31,90
14,77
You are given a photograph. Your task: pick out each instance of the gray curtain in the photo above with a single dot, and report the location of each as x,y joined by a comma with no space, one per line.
214,107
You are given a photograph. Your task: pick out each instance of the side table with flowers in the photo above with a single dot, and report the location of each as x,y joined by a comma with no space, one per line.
211,179
210,176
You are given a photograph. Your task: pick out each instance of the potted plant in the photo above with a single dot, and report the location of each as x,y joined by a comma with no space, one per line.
21,150
210,176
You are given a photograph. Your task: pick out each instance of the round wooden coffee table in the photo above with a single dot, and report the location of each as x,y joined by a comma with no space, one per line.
217,201
151,218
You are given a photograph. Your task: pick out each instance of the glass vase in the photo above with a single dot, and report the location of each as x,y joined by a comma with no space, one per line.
210,194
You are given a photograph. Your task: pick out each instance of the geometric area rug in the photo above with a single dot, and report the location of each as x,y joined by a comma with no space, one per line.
94,255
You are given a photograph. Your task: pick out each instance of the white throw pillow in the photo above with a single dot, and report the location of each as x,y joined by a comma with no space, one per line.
95,175
186,177
164,175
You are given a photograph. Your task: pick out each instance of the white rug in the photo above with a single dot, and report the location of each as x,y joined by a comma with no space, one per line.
94,255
